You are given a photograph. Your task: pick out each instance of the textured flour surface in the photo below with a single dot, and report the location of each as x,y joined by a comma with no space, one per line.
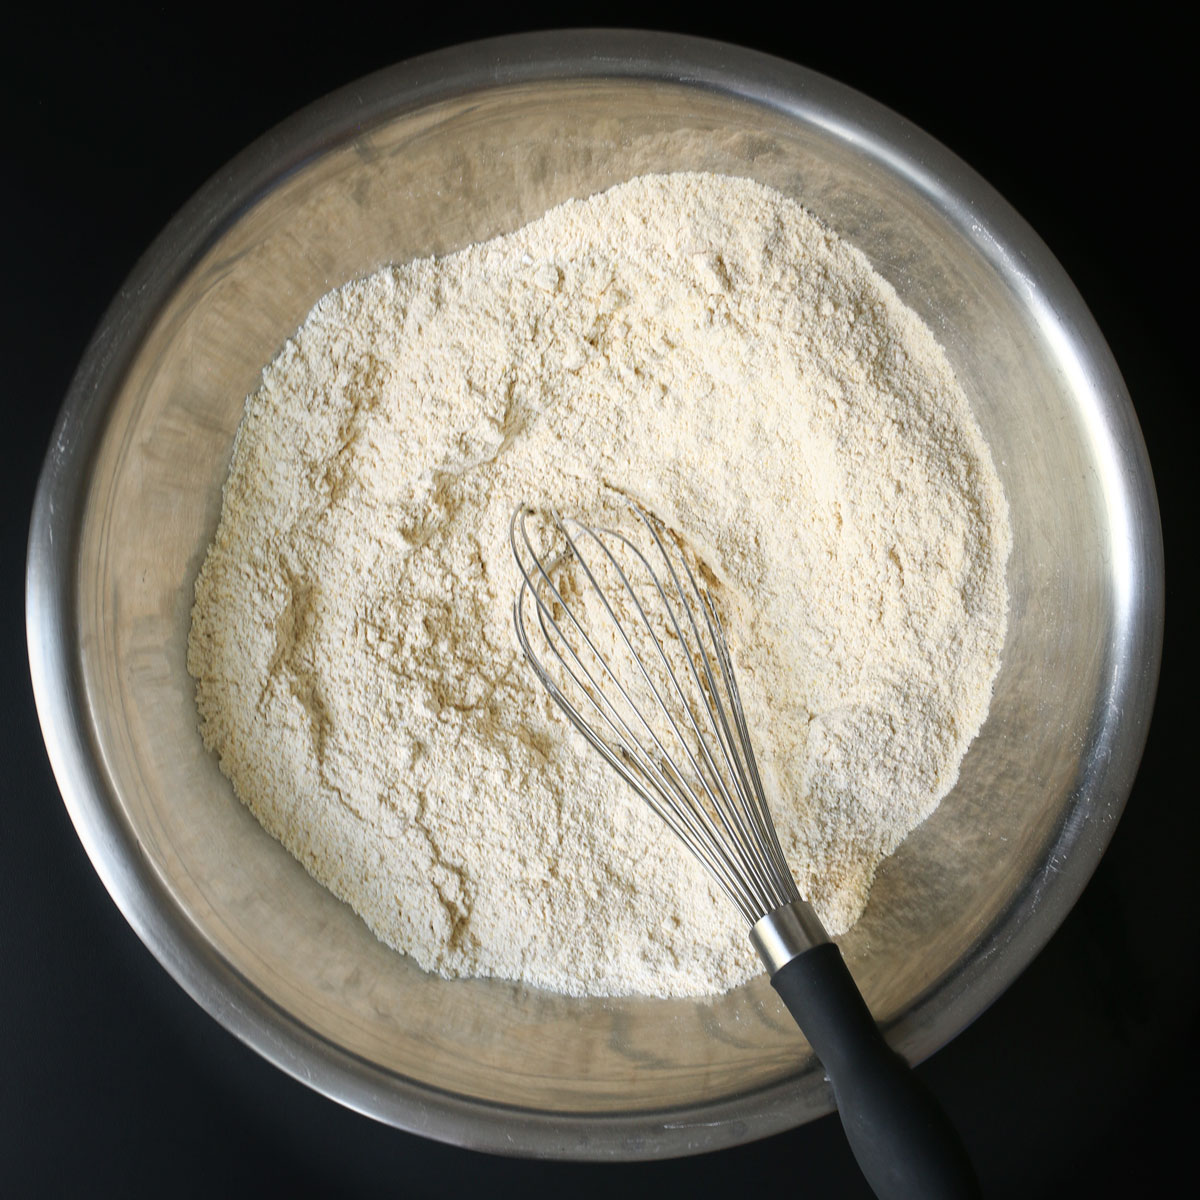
696,341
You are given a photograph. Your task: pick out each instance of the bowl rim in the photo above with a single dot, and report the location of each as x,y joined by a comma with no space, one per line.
999,234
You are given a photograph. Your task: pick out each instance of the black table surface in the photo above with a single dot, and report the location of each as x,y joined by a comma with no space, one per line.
1078,1080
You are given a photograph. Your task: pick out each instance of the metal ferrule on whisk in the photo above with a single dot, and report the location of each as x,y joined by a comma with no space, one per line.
787,933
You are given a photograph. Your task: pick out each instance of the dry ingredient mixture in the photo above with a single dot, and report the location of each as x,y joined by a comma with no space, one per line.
702,344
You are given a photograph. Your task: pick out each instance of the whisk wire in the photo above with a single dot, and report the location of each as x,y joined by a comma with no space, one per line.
732,834
668,797
711,780
764,825
747,815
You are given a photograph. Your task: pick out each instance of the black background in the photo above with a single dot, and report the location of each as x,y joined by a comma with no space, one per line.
1078,1081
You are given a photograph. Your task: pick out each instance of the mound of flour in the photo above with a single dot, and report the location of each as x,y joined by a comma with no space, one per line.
698,342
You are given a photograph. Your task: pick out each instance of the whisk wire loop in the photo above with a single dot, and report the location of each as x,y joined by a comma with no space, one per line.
755,829
710,792
668,796
711,779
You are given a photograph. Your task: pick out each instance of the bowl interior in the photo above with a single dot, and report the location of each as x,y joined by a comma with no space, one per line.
431,178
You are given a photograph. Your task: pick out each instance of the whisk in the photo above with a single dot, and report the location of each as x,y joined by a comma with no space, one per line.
630,646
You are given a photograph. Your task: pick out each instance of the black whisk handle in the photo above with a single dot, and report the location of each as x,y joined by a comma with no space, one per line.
902,1139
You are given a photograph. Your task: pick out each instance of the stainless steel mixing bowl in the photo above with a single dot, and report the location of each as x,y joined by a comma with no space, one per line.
425,158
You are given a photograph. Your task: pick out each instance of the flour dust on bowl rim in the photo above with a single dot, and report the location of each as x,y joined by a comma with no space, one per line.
427,157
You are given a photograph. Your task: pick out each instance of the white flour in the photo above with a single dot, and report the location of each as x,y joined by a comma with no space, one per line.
701,343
